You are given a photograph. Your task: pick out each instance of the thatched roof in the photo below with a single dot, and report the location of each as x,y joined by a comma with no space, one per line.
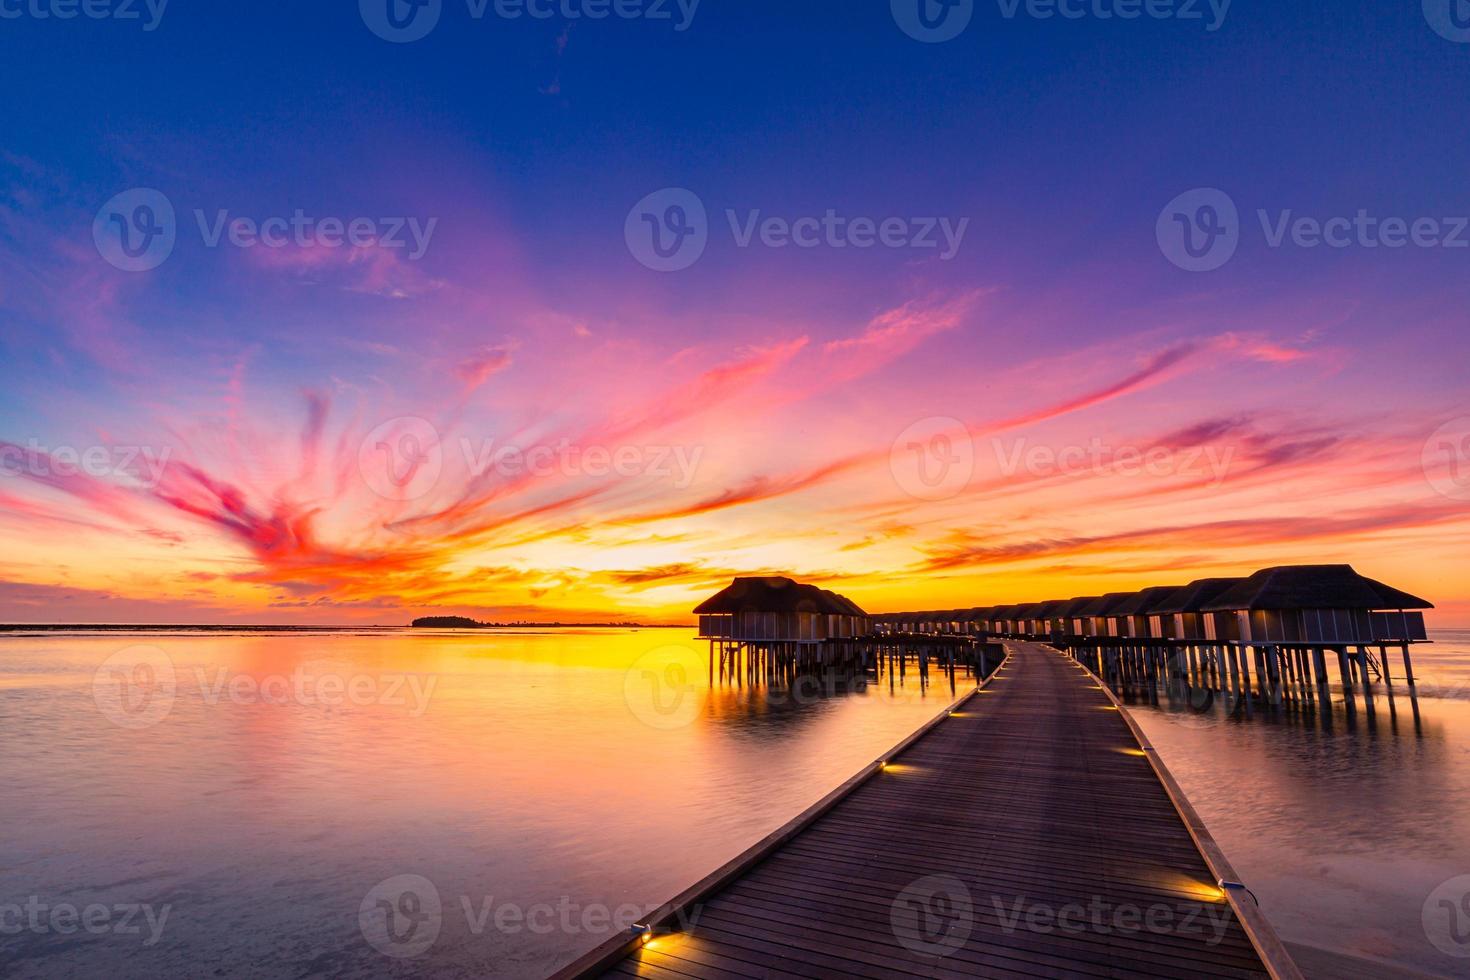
1026,610
850,608
776,594
1146,602
1193,597
979,613
1005,612
1053,609
1074,607
1105,605
1313,587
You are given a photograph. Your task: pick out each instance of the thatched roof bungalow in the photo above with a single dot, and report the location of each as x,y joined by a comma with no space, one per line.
1319,604
1185,609
1133,615
1004,618
1071,615
777,608
1098,614
1049,618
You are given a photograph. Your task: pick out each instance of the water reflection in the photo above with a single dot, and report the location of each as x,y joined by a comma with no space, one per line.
1343,824
293,774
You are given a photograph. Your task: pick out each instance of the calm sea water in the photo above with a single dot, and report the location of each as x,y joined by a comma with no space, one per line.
1351,835
322,804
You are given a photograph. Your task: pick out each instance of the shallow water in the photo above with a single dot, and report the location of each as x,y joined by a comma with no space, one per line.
1346,834
274,804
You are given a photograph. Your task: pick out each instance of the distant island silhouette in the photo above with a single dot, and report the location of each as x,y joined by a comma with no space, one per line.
431,622
465,623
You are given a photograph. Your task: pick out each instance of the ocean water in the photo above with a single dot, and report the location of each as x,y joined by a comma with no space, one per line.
387,803
1354,834
492,804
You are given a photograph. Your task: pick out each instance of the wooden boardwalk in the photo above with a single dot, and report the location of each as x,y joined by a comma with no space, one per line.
1026,835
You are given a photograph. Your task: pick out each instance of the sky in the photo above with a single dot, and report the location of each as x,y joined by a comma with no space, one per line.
352,312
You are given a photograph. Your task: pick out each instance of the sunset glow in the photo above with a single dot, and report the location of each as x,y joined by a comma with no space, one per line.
1103,419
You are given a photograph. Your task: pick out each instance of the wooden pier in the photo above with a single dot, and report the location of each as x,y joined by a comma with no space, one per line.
1029,833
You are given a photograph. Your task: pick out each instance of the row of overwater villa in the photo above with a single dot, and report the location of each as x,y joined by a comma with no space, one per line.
1272,633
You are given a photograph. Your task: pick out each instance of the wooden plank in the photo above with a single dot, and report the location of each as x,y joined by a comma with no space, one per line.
954,861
